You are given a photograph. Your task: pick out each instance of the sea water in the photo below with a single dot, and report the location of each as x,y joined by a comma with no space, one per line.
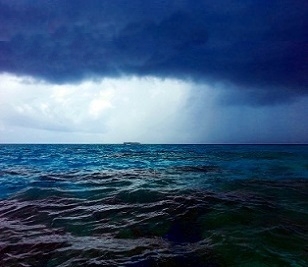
153,205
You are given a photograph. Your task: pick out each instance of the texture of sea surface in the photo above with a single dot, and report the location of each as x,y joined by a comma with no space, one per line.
153,205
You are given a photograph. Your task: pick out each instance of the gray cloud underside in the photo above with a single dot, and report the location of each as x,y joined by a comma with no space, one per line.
252,44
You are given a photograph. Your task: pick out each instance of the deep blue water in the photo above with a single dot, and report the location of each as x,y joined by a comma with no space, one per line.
153,205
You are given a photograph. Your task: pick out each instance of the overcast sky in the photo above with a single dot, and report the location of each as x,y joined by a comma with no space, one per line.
176,71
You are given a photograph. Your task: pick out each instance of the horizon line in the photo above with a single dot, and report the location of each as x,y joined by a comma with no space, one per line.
140,144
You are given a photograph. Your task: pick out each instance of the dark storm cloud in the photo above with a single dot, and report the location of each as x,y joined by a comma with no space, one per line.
252,44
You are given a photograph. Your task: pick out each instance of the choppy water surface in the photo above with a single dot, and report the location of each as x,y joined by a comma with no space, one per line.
153,205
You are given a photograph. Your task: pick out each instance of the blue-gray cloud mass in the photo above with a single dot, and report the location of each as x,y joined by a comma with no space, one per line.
251,44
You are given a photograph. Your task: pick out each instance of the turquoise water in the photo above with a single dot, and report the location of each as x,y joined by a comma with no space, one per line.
153,205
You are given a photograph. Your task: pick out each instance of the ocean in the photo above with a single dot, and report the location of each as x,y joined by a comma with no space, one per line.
153,205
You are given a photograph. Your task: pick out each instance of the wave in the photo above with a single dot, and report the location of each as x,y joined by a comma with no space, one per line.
153,206
143,227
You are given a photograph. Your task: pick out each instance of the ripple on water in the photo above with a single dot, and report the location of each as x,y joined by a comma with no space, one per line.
152,206
143,227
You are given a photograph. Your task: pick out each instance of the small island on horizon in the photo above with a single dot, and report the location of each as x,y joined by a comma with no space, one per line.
131,143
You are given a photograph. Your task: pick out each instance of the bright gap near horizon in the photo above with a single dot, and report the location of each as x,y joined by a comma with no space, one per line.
102,111
147,110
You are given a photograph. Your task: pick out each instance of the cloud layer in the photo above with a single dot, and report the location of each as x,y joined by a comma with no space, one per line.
105,111
148,109
259,45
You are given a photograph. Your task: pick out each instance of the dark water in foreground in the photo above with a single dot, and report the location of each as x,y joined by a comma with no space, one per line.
153,205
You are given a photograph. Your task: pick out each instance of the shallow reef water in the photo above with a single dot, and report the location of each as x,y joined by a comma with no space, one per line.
153,205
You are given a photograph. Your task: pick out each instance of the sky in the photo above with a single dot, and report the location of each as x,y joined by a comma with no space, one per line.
176,71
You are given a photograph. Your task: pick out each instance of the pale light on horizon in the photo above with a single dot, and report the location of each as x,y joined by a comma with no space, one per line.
147,110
